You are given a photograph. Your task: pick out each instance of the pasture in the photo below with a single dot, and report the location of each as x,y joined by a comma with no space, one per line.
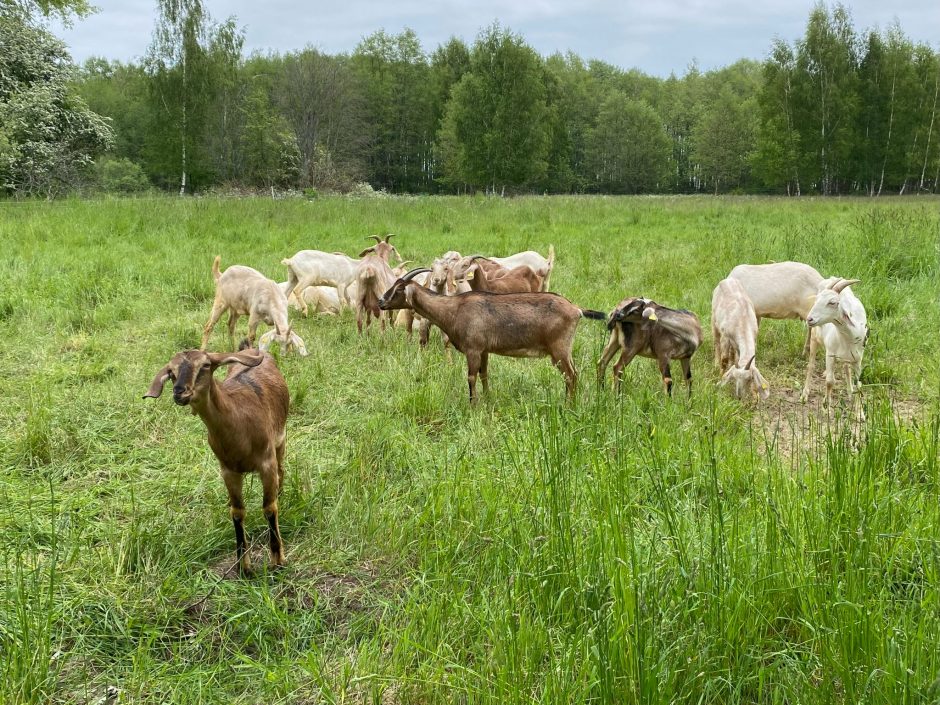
621,549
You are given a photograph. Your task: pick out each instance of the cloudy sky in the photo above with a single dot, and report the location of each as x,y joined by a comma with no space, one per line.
656,36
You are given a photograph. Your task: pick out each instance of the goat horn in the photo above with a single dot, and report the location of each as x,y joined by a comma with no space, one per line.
750,362
374,237
413,273
473,257
839,286
389,236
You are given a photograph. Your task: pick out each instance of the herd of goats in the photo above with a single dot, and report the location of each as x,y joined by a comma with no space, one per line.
482,305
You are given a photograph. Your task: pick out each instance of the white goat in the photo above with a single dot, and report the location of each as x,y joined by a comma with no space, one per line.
540,265
316,268
839,321
734,331
245,291
322,299
779,290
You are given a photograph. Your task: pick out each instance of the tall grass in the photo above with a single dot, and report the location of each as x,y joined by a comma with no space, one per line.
624,549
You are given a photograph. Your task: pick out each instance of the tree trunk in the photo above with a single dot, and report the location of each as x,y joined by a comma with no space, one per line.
183,130
884,161
933,113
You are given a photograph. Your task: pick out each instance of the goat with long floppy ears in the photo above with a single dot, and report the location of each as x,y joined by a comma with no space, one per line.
245,416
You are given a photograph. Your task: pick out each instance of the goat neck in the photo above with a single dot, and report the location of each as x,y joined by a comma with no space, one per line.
435,307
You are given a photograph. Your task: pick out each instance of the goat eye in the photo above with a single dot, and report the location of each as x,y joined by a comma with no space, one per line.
832,303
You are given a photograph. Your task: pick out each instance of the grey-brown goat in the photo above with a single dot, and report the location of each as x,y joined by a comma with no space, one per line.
480,323
245,416
643,327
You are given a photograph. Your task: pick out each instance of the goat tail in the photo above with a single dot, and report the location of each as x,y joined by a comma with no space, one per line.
216,274
593,315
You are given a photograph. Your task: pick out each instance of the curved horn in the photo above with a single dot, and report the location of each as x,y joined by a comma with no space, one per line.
402,264
473,257
389,236
374,237
408,276
839,286
750,362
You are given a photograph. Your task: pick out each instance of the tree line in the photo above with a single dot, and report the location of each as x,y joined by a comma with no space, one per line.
837,111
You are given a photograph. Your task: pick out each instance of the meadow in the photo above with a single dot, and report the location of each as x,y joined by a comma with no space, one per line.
621,549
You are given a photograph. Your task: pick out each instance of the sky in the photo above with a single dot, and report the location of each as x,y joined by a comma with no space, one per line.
658,37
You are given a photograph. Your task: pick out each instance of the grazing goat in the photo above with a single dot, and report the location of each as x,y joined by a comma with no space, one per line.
245,416
480,323
643,327
840,322
734,331
322,299
294,343
540,265
245,291
316,268
495,278
373,278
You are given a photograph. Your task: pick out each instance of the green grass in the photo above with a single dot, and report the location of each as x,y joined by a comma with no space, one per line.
628,549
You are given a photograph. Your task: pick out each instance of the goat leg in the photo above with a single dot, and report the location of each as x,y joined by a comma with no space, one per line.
810,365
218,308
667,375
687,372
269,481
233,483
473,367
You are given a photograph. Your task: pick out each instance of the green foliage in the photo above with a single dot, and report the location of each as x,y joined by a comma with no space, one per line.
498,114
120,175
836,111
628,149
48,136
398,91
723,140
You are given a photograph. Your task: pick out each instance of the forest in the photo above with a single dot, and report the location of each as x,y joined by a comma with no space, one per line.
839,111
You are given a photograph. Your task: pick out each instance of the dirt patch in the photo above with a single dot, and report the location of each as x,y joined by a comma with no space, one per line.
792,428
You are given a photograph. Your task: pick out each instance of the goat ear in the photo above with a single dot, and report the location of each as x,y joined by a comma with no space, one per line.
844,283
726,377
156,387
247,358
649,314
366,251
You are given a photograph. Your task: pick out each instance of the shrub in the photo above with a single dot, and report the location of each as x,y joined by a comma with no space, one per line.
120,176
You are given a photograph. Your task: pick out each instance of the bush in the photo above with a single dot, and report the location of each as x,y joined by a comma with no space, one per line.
120,176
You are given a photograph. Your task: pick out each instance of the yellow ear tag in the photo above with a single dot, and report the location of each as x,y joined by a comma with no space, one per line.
763,386
653,317
469,275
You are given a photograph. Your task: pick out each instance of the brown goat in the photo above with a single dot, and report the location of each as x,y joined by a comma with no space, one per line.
643,327
496,279
479,323
245,416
